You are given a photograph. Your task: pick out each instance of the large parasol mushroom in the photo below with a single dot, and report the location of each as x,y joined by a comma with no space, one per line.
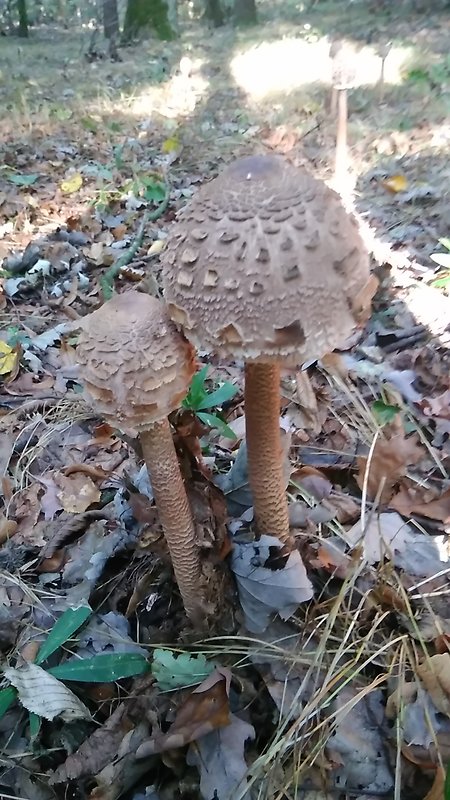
265,264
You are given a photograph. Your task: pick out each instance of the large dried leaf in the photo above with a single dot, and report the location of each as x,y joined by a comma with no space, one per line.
44,695
358,743
434,673
409,501
264,591
219,757
96,751
76,492
386,535
204,710
388,464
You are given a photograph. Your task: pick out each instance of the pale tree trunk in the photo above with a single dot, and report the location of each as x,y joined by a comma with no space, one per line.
244,12
150,15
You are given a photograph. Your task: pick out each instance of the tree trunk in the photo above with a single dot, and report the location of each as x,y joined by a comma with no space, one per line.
214,13
145,15
244,12
110,19
111,27
23,17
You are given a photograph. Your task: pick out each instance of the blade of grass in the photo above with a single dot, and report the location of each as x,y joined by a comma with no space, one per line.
69,622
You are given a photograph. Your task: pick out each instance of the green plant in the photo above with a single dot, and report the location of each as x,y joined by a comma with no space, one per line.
103,668
200,400
384,413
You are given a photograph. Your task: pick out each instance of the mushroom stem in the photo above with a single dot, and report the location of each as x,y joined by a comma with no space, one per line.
264,451
174,512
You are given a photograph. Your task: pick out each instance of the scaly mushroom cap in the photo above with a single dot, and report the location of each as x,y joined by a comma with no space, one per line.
265,263
135,366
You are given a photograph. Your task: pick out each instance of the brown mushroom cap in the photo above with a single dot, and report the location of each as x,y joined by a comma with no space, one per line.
136,365
265,263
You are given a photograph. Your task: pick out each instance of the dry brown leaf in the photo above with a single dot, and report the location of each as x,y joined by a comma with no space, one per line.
312,481
387,597
8,528
437,406
333,561
437,790
77,492
404,694
435,676
388,464
417,500
205,709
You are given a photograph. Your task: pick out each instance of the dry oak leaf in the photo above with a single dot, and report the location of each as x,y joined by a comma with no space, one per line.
204,710
435,676
388,464
411,500
77,492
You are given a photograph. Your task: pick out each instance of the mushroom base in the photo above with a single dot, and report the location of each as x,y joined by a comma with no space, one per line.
175,515
264,450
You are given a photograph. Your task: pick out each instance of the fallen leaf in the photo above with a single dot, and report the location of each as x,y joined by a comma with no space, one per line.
437,790
434,673
312,481
45,695
264,591
72,184
357,743
388,464
156,247
8,358
387,535
76,492
8,528
204,710
178,670
395,183
408,503
219,757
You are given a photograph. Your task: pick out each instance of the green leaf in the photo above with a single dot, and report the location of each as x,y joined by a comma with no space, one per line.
445,243
383,412
177,670
7,697
23,180
102,669
63,629
154,190
197,391
443,259
89,124
215,422
35,725
219,396
442,283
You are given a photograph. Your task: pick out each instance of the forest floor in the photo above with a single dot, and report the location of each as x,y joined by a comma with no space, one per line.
350,696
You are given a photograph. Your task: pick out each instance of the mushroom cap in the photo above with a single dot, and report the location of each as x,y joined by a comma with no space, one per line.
135,365
265,263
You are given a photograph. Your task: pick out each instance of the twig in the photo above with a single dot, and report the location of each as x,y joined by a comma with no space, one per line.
107,281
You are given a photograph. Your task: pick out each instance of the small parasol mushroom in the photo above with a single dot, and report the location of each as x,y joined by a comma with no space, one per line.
264,264
136,368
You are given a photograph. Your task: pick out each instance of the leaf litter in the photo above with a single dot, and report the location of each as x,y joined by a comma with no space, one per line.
290,681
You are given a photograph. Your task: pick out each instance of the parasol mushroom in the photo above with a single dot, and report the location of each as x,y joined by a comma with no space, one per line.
264,264
136,368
